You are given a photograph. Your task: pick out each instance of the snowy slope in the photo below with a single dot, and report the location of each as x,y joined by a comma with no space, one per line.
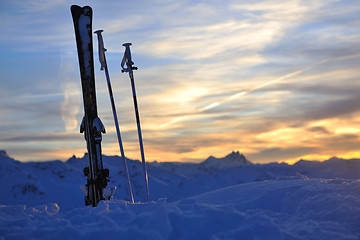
279,209
39,183
220,198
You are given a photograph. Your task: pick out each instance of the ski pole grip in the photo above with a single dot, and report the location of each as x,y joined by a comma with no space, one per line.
127,58
100,39
101,49
99,31
127,52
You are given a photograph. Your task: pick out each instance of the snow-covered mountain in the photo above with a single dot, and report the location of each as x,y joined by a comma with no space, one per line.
219,198
35,183
234,159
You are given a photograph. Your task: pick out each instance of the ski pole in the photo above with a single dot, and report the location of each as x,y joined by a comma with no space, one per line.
129,63
102,60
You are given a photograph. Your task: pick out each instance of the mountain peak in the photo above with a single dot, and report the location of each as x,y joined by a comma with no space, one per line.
234,159
3,153
334,158
234,155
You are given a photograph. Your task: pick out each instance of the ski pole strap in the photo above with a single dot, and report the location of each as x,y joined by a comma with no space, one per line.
102,49
127,59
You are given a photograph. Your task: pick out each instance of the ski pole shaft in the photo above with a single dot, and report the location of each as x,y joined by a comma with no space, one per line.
146,182
102,60
130,68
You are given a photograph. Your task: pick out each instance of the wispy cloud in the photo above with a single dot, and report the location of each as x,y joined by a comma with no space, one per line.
213,41
250,90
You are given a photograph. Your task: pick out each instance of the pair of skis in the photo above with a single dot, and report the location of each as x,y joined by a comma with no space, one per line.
98,177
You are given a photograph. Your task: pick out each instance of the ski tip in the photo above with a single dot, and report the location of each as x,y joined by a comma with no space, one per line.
127,44
98,31
77,6
77,9
74,7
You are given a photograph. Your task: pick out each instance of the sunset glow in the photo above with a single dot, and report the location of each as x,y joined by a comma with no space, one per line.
277,81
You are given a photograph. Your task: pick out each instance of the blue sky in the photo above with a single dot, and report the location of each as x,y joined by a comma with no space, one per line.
276,80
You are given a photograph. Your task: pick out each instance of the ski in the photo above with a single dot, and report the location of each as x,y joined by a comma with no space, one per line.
91,126
129,68
103,64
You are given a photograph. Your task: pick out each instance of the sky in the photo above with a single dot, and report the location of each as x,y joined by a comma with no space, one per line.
276,80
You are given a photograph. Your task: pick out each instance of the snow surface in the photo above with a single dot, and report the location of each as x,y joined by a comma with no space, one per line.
307,200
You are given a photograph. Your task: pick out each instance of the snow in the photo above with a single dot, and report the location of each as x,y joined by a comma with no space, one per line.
307,200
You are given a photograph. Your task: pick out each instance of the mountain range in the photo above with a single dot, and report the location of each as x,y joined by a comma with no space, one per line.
36,183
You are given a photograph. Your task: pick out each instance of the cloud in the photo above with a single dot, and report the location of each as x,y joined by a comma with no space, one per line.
186,143
278,154
71,91
228,31
211,41
318,129
229,98
40,137
38,5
